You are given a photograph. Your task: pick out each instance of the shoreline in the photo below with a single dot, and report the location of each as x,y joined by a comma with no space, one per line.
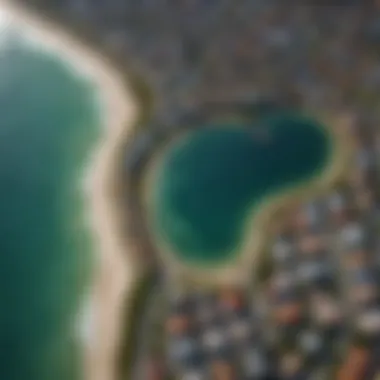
116,273
239,270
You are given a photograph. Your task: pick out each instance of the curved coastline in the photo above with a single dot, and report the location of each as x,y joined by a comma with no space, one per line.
224,246
239,270
117,271
93,362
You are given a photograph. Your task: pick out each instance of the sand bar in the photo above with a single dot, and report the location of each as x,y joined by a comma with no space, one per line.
115,270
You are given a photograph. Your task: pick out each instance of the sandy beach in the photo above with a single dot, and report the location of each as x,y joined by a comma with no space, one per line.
115,270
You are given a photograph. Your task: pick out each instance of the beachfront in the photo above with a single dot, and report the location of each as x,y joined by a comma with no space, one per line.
276,51
115,269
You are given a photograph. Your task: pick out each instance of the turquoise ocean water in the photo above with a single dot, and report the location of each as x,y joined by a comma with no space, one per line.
214,178
49,121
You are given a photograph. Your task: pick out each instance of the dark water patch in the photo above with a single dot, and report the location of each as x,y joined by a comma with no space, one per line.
211,181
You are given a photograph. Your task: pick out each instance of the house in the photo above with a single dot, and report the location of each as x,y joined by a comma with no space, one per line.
355,364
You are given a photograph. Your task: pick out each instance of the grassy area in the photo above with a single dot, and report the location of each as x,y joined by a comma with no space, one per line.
131,332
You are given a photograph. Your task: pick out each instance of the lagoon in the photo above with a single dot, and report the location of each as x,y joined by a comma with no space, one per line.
213,180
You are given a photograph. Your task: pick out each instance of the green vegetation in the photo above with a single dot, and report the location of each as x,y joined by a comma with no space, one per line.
131,333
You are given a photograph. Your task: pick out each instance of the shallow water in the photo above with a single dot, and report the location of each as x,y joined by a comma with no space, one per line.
48,124
213,179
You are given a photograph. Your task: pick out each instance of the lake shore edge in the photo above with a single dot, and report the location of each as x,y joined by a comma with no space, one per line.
117,270
239,270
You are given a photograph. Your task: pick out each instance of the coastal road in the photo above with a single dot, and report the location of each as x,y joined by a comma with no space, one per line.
152,312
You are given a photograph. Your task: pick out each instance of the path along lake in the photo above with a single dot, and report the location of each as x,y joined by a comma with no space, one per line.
213,179
49,122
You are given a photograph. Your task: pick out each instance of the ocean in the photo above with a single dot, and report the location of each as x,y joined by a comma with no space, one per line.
49,123
213,179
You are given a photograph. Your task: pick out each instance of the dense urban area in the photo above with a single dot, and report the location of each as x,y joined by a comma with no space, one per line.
317,314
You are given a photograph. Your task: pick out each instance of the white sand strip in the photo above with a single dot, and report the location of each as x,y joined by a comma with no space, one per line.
115,269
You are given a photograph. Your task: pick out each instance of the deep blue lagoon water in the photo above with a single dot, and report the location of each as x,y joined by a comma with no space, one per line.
212,180
48,123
